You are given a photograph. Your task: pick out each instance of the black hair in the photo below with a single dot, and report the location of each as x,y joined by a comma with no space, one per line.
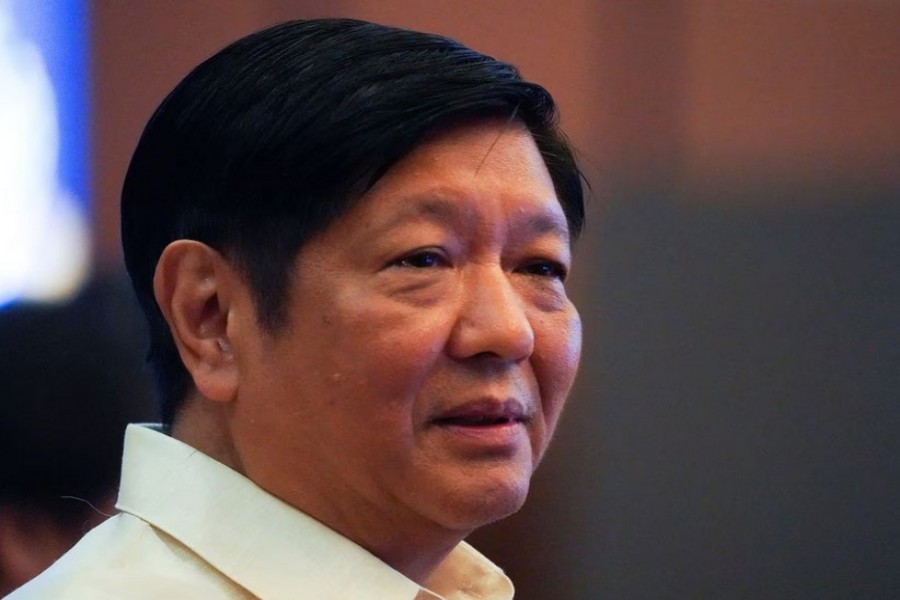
268,141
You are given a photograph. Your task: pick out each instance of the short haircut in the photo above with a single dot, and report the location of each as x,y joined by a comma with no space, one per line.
270,140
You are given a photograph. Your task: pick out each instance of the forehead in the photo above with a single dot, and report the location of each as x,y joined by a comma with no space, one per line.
459,172
482,148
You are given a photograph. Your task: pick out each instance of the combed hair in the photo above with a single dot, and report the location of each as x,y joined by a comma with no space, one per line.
270,140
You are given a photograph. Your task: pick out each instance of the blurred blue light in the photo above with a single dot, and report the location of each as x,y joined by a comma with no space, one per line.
44,148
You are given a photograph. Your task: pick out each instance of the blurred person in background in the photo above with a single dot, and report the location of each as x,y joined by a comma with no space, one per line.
71,378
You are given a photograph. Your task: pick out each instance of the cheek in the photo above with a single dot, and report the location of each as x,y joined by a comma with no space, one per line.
556,358
382,348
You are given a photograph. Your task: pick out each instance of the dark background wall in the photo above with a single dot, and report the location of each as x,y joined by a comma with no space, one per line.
734,432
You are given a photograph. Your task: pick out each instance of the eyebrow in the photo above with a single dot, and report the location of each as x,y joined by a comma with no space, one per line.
430,208
545,223
442,210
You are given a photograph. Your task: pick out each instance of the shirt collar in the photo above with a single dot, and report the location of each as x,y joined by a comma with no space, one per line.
266,545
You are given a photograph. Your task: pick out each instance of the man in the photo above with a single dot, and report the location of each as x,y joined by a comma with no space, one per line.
351,243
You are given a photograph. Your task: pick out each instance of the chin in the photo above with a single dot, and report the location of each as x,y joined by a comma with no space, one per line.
473,506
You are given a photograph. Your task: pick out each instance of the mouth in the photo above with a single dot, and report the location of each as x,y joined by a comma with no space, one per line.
484,414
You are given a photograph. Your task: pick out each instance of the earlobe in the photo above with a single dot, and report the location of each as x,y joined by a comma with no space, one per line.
194,287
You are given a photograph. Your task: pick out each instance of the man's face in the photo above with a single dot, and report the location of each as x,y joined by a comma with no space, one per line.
429,349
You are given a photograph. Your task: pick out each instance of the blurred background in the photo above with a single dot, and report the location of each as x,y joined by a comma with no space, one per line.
735,431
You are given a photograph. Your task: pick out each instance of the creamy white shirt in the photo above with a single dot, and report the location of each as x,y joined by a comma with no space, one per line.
192,528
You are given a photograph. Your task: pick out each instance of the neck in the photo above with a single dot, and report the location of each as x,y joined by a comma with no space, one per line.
416,551
415,554
407,541
203,424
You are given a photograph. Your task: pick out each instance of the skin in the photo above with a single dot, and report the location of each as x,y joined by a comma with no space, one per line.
429,350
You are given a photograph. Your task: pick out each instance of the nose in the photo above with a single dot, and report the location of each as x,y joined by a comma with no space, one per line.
492,320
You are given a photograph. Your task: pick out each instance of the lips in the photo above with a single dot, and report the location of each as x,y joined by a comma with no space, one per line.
483,413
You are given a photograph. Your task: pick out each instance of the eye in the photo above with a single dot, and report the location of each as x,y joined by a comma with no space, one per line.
422,259
545,268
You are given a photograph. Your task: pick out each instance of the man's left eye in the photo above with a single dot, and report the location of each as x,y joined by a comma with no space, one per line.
424,259
545,268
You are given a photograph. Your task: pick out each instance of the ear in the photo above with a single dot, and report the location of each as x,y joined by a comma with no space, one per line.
195,288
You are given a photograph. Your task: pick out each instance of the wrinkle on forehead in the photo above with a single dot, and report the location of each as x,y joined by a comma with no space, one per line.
506,127
441,206
440,173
